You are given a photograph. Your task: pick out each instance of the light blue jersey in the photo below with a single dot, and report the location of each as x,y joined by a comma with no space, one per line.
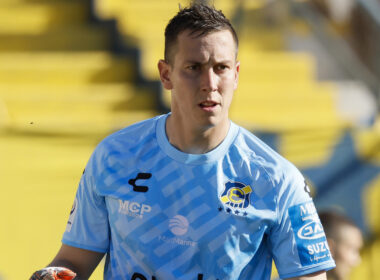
162,214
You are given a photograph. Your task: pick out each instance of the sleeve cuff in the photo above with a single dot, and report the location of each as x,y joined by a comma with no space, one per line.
320,267
85,247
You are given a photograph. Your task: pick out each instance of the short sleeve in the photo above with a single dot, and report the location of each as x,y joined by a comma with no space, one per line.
297,239
87,227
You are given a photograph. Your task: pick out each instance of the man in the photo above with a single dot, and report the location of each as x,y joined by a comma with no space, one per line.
345,241
191,195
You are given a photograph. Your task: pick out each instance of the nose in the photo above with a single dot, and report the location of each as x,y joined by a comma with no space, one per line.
209,80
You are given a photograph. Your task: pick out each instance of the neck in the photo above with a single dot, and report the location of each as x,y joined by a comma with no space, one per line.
331,275
195,140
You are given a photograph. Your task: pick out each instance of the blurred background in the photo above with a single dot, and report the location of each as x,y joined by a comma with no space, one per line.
73,71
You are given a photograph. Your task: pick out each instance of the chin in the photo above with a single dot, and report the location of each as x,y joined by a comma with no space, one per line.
211,122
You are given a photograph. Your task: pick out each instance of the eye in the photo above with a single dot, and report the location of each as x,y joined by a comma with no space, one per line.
193,67
221,67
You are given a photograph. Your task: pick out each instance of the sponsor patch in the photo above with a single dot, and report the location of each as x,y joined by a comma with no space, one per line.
73,213
309,235
133,209
178,225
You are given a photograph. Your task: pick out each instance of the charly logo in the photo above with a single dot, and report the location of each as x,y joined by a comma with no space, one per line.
178,225
140,176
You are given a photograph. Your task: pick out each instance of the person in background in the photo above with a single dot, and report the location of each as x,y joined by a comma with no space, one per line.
345,241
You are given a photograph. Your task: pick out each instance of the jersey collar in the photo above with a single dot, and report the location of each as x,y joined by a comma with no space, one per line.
195,159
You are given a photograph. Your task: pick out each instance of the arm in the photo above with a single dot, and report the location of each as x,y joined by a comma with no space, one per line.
297,240
320,275
82,262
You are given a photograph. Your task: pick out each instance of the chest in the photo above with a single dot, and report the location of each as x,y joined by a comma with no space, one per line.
205,209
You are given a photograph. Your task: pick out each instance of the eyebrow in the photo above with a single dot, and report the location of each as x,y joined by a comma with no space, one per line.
200,63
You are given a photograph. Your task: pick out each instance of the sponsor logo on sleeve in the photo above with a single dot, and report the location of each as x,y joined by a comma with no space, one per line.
73,213
309,235
306,188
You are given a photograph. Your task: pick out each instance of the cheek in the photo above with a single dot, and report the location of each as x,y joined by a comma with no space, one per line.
183,86
353,257
228,98
230,81
227,88
186,79
348,256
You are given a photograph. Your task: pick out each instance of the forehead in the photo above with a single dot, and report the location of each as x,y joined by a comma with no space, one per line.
218,45
350,235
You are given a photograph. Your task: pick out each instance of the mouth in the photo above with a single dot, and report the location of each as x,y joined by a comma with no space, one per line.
208,105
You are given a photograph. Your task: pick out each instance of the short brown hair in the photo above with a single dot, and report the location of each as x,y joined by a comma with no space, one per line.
332,221
200,19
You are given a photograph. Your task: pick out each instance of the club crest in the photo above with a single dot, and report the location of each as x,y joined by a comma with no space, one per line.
236,195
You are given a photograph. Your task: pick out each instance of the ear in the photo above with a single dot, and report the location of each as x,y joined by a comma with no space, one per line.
237,70
332,245
165,69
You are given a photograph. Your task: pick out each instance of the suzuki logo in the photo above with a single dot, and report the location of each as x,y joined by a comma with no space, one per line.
311,230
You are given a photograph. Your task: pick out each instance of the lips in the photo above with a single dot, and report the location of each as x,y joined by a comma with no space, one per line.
208,104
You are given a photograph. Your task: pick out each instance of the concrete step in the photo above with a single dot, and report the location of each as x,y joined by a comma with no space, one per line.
310,147
255,92
75,109
262,39
287,109
268,121
75,123
36,18
64,67
70,38
107,96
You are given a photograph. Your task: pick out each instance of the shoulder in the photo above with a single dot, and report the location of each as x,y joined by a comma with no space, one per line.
130,136
125,141
134,132
272,174
263,156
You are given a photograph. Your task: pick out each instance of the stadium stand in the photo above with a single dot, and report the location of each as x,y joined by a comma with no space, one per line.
61,91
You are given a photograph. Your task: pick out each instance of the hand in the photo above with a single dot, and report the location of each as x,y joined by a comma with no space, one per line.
53,273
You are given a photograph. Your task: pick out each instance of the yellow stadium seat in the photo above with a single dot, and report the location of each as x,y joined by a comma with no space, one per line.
61,92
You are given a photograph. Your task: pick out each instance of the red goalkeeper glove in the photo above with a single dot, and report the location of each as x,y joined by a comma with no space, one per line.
53,273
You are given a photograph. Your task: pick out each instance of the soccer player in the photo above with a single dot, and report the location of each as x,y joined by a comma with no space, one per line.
345,241
191,195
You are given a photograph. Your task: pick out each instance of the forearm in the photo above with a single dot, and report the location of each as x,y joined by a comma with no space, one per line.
82,262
